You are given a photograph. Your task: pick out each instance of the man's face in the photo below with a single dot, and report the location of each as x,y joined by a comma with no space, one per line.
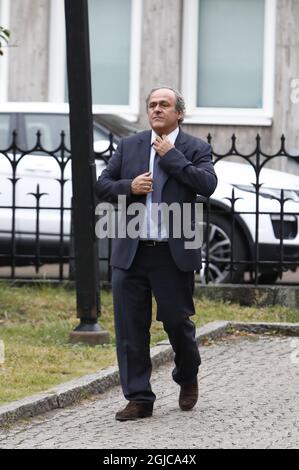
162,113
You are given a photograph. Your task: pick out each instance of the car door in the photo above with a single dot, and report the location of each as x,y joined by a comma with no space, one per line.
45,180
7,125
44,185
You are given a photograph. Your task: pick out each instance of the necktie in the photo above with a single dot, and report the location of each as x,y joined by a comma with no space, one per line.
159,177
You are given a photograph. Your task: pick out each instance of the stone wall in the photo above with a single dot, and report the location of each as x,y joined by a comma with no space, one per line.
28,59
161,58
161,64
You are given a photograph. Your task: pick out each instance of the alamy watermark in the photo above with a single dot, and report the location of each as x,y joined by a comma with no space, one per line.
160,220
294,91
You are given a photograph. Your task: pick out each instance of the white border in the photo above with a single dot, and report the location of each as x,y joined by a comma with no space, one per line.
5,17
57,69
226,116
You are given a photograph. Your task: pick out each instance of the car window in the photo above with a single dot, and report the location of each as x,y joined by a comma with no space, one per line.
5,134
51,127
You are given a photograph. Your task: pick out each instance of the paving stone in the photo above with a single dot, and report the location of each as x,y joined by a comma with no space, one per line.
248,398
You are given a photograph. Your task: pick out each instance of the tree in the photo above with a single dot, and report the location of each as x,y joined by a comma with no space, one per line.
4,36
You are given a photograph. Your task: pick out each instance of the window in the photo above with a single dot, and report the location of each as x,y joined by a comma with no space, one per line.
115,30
110,26
228,61
51,126
5,131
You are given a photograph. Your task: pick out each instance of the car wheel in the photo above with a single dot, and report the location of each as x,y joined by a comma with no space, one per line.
220,249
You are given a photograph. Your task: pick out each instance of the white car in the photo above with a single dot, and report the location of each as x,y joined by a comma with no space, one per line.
241,178
32,228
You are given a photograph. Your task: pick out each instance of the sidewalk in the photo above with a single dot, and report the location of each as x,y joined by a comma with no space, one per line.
248,398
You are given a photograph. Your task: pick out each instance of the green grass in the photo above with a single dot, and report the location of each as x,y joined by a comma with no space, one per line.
35,323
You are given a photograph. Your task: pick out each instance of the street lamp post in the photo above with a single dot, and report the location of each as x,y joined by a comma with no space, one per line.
83,174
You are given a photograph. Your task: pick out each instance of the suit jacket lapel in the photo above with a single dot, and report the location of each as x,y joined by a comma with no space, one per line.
180,144
144,150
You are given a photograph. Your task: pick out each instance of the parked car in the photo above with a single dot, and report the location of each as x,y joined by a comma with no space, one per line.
39,168
241,178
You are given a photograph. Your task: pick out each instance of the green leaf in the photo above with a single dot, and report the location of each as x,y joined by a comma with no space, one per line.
4,36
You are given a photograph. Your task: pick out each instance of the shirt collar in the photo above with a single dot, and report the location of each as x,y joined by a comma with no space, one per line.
172,136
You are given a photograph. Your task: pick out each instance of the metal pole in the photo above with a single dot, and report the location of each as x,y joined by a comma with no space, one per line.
83,174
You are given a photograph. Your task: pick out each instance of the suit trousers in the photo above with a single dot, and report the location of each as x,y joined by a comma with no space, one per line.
153,271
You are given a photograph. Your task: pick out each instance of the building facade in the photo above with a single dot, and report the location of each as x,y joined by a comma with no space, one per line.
235,61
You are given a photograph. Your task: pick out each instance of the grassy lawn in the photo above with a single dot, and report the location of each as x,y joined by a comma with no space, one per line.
35,323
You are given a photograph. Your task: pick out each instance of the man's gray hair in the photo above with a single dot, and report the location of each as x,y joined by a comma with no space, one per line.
180,102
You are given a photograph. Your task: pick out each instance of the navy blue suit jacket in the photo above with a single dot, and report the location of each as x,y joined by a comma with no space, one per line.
190,172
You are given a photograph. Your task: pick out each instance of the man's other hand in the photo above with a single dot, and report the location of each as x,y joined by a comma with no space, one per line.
142,184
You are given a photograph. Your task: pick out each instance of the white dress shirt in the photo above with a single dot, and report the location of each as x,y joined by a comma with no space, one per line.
152,232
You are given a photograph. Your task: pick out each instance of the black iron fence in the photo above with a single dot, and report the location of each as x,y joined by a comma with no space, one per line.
250,224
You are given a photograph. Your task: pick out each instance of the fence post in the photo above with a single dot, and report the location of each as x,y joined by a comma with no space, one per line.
83,174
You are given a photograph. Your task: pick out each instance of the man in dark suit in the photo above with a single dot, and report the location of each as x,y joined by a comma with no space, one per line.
162,165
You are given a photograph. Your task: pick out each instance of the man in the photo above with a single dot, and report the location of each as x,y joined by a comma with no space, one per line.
162,165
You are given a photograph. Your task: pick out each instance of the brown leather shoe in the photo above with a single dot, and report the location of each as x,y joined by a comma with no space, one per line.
188,395
134,411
